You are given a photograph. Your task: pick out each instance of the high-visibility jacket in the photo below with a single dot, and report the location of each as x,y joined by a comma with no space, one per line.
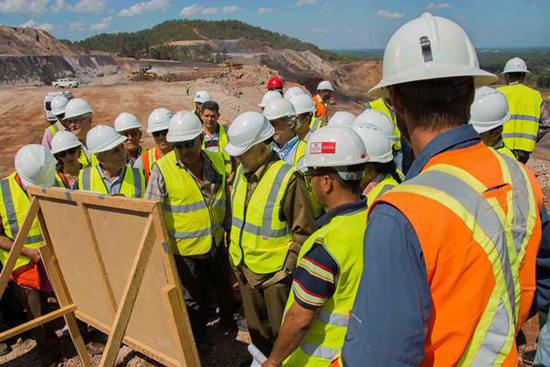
194,225
380,105
149,158
133,182
86,160
521,131
318,209
258,237
316,123
320,107
507,151
223,140
477,217
385,185
13,208
54,128
327,332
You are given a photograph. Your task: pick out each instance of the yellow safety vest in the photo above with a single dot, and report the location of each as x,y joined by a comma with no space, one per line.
13,209
85,161
520,132
193,224
316,123
133,184
222,143
507,151
380,105
54,129
387,183
325,338
258,237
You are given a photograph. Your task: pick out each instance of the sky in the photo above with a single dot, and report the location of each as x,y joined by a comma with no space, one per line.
332,24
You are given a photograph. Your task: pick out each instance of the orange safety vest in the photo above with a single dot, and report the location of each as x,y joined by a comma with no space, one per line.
481,254
149,158
320,108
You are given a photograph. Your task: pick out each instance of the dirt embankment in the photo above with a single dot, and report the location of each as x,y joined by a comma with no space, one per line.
17,41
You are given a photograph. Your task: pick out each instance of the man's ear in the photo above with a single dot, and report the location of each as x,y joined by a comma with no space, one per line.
395,99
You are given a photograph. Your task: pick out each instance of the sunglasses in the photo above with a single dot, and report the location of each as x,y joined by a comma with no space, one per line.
68,151
184,144
130,133
158,134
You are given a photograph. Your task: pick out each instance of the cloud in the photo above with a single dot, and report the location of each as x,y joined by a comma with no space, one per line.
263,11
24,6
88,6
191,10
104,24
387,14
210,11
434,5
231,9
330,5
76,26
324,30
305,2
58,6
144,7
32,24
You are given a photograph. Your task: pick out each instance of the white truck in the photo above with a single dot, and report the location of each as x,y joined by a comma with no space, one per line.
50,117
65,83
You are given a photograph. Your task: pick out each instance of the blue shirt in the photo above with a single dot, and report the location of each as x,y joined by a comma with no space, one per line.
288,150
113,187
389,320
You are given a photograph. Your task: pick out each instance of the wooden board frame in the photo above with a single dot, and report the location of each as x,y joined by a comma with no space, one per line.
154,234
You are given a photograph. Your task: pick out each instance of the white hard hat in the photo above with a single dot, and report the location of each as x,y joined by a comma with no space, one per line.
489,110
35,165
377,144
159,120
336,147
269,96
58,104
325,85
293,91
279,108
377,119
64,140
126,121
428,48
184,126
103,138
515,65
76,107
303,104
202,96
341,119
247,130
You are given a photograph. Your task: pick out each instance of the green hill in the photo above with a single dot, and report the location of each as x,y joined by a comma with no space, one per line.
137,44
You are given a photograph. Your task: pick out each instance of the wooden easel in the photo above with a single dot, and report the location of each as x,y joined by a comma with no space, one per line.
61,214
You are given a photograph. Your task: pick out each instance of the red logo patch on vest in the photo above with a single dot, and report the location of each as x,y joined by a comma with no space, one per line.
323,147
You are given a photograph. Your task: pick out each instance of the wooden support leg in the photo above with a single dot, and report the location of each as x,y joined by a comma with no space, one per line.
18,244
60,288
129,296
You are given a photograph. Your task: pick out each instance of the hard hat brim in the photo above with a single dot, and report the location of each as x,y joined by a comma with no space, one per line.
481,78
136,126
234,151
174,138
151,130
71,146
109,146
515,71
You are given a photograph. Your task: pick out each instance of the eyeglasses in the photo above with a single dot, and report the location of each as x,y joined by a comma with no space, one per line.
158,134
68,151
184,144
129,133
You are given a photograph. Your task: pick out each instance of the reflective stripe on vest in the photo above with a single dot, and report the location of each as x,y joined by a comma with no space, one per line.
316,123
387,183
54,129
13,210
263,238
327,332
133,182
380,105
502,236
521,131
193,224
149,158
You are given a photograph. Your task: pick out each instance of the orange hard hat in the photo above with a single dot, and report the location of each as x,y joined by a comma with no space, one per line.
275,83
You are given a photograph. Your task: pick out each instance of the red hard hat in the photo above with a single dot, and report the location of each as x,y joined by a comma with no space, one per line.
275,83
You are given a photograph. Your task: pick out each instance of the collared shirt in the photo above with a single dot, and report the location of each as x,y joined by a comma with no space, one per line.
317,274
156,187
394,289
287,151
212,142
113,187
296,209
